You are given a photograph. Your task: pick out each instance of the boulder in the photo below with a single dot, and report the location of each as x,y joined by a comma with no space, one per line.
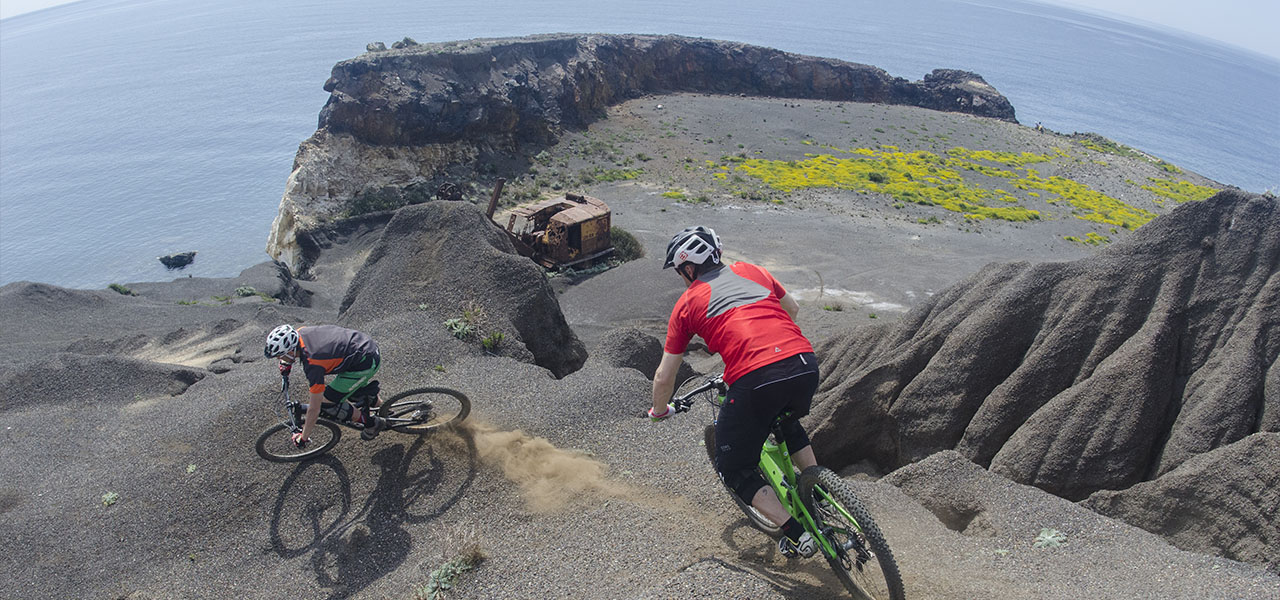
446,260
632,348
178,260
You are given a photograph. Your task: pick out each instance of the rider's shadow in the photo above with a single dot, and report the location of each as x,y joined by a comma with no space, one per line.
350,550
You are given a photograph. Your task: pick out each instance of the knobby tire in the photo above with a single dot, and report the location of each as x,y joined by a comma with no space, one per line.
448,408
276,443
758,520
878,578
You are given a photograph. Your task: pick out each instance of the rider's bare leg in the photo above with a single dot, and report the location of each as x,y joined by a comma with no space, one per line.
803,458
767,502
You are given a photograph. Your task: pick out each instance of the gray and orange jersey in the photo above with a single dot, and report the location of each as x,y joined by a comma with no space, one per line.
328,349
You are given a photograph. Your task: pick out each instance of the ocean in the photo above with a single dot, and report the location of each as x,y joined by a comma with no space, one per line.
130,129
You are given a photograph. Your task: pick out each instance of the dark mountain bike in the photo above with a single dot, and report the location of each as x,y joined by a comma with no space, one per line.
416,411
818,498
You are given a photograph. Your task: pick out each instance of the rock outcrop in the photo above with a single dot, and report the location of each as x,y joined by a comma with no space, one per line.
1077,377
399,120
528,88
1224,501
446,260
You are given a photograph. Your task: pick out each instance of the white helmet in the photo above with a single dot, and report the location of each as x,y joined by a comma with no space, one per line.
697,245
281,339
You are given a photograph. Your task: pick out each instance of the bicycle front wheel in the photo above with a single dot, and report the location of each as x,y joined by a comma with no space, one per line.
759,521
276,443
861,559
425,409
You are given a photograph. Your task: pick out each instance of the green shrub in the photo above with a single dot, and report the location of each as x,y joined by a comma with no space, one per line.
460,328
625,245
120,289
245,291
492,341
446,576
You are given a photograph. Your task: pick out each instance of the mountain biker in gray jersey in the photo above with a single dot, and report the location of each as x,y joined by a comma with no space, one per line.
351,356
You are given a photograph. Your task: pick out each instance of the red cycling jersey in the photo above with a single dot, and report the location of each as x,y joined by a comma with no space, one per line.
737,310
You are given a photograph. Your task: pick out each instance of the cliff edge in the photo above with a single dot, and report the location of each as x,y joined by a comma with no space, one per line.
410,115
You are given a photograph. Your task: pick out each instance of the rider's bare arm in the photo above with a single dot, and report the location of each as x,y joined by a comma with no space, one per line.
313,413
790,305
664,380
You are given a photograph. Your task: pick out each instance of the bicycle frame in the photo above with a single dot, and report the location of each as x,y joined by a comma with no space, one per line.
779,472
296,412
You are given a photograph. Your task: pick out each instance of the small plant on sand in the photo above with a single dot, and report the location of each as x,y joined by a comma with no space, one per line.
110,498
245,291
835,307
1178,191
459,327
1050,538
445,577
492,341
1091,239
120,289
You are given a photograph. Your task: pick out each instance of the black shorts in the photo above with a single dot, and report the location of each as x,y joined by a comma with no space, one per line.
753,403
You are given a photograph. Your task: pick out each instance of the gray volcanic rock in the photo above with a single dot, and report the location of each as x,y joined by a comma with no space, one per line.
1222,502
528,87
1076,377
447,260
632,348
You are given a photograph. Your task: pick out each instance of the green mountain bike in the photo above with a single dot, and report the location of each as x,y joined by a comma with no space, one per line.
818,498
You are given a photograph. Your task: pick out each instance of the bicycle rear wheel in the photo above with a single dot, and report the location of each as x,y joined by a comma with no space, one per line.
276,443
862,559
758,520
425,409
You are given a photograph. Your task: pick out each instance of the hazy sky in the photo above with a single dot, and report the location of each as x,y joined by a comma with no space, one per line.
1250,24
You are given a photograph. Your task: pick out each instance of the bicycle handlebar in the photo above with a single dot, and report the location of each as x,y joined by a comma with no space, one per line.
685,402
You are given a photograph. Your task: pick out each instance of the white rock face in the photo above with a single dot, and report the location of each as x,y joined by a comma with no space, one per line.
330,169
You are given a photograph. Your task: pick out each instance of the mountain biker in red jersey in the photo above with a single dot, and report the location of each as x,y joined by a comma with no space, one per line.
745,315
331,350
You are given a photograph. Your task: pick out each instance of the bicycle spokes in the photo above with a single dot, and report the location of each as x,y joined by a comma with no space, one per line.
843,539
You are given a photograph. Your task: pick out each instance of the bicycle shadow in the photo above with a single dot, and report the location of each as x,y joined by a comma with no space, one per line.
758,557
351,549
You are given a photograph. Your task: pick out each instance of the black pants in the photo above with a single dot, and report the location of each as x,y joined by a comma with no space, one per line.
753,403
